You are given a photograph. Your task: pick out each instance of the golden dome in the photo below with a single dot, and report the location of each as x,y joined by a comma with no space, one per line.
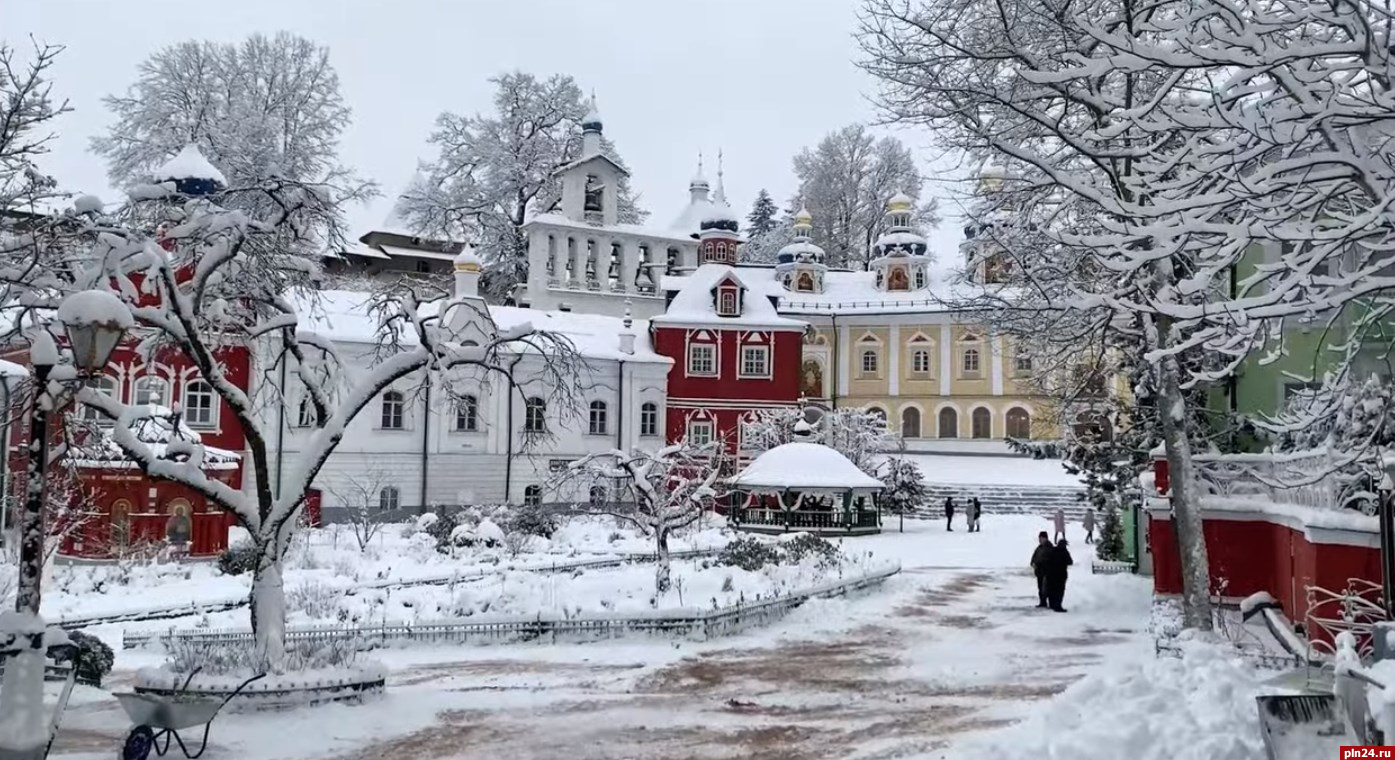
804,217
900,202
467,261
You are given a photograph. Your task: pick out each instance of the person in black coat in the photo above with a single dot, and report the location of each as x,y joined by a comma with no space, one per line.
1058,563
975,511
949,513
1039,558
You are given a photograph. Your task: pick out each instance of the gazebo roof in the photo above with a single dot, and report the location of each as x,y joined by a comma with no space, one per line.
804,466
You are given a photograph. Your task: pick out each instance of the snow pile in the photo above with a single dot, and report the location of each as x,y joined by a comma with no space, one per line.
23,720
1199,707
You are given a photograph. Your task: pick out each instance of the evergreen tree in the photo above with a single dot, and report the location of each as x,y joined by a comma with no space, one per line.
905,486
763,211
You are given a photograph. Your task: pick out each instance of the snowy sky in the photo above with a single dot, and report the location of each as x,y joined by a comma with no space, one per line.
758,79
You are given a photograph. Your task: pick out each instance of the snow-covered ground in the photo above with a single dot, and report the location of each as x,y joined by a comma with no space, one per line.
997,471
950,659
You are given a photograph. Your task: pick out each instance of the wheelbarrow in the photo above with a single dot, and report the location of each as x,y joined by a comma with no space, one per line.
60,653
159,719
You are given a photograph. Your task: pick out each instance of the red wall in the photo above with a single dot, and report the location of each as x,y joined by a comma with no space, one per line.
1264,555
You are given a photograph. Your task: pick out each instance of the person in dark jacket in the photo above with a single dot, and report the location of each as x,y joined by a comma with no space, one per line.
1039,558
975,511
1058,563
949,513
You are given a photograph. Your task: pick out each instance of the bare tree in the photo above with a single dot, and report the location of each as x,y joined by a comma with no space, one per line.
359,495
494,172
658,493
845,182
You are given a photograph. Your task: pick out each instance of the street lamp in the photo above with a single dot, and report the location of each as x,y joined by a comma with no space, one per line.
9,372
1386,502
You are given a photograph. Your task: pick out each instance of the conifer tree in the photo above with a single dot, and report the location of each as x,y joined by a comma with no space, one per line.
763,211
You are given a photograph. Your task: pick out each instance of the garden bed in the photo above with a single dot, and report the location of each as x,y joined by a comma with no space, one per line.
297,689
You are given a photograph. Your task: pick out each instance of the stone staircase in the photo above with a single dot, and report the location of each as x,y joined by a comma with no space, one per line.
1005,499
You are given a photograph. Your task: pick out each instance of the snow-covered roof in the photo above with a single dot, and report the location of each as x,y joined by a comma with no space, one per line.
691,218
693,305
12,370
343,316
851,292
804,466
189,163
558,220
720,211
397,251
900,238
802,246
593,157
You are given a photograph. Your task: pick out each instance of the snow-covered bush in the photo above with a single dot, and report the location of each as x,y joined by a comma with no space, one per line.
748,553
442,529
238,558
426,521
532,520
95,658
220,659
314,599
807,545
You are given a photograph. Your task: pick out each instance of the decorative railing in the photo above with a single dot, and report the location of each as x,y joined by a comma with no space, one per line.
1307,479
799,519
1355,610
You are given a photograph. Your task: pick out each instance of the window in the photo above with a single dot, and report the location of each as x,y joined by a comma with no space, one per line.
467,414
919,278
910,422
200,405
394,407
981,423
532,496
700,432
598,418
702,359
649,418
152,391
305,415
755,361
726,303
106,386
920,362
389,498
949,423
534,415
869,362
971,361
879,412
1022,362
1019,423
423,267
598,495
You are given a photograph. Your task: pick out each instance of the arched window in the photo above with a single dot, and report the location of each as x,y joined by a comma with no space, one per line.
200,405
920,362
394,410
1019,423
971,361
389,498
869,361
726,304
535,416
152,391
598,495
532,496
105,385
598,418
910,422
981,422
878,411
649,418
467,414
1022,362
305,415
949,423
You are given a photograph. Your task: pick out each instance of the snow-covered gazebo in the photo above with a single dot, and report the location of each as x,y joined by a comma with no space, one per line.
804,486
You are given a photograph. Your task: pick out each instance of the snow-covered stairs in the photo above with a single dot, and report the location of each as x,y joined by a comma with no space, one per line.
1006,499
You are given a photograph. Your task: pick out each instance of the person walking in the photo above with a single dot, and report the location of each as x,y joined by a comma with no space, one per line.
949,513
1039,557
1089,525
1058,564
1060,520
975,512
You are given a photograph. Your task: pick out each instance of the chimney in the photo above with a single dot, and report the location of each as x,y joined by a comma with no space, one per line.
627,336
467,273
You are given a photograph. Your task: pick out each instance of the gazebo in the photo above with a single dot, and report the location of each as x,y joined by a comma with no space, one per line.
806,487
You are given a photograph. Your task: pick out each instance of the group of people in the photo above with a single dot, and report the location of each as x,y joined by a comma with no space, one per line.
972,513
1051,564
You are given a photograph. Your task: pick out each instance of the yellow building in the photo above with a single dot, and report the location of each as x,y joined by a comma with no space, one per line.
892,339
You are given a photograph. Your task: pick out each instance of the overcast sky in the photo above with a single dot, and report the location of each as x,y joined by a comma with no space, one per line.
758,79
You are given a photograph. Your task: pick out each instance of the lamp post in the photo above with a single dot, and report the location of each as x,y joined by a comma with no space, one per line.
8,371
1386,498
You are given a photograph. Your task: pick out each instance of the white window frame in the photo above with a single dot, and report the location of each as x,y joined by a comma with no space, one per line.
389,498
467,411
708,430
648,419
727,303
971,351
399,400
528,415
140,388
532,495
1022,363
598,412
711,350
108,385
917,354
206,423
746,370
305,413
876,356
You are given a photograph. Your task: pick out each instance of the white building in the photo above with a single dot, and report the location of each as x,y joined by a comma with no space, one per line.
583,260
421,444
